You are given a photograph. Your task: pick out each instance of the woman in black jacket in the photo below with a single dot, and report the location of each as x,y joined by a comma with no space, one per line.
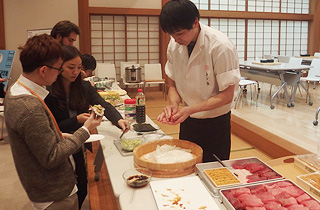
69,101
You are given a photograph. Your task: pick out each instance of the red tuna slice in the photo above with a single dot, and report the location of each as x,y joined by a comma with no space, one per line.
294,191
243,166
253,178
250,200
283,195
259,189
303,197
228,194
266,197
264,170
276,191
235,202
311,204
255,208
297,207
288,201
240,191
253,167
272,205
269,175
283,184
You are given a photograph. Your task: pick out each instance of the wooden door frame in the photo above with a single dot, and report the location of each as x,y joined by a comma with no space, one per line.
2,32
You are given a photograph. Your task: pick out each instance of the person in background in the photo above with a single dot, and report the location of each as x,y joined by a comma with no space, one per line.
65,32
2,90
89,64
203,71
69,100
41,153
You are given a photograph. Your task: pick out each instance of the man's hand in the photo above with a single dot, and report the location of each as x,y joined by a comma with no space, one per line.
92,122
167,115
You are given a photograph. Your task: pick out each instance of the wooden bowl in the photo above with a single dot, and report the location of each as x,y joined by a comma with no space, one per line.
171,169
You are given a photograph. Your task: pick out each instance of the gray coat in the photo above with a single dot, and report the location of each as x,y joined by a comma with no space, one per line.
40,154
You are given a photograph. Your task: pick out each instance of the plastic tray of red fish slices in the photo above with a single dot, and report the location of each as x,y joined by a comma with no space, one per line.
248,170
280,195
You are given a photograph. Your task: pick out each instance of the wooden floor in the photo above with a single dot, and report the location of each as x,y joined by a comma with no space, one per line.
294,124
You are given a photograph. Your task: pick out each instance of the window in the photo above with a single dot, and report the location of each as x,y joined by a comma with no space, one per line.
125,38
233,28
264,37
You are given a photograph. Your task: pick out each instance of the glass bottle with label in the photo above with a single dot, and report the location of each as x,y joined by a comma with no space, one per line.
140,107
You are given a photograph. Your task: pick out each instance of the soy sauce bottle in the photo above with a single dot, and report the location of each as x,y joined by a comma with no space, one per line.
140,107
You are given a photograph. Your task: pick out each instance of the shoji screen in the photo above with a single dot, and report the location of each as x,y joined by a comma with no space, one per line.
233,28
264,37
125,38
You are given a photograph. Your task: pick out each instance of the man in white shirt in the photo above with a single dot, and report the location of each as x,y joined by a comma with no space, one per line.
203,74
42,154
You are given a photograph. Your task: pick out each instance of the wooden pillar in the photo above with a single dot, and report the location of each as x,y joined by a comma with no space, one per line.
2,33
314,29
84,24
164,41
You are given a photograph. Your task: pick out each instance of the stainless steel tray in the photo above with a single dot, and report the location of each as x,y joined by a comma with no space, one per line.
229,163
229,206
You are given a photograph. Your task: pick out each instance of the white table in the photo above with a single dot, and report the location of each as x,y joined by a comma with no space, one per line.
283,74
129,198
116,163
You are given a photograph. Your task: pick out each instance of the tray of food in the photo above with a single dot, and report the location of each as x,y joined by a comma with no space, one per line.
111,97
311,183
281,194
245,170
127,145
308,162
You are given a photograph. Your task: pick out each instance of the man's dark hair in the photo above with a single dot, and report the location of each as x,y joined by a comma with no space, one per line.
177,15
39,51
88,62
64,28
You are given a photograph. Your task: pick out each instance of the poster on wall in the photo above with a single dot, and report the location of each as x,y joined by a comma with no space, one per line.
38,32
6,60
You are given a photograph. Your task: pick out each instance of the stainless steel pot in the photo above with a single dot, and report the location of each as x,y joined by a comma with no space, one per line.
133,73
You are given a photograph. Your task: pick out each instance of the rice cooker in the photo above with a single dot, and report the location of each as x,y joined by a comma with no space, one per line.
133,73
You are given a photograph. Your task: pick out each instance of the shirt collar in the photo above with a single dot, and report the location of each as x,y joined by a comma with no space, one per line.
39,90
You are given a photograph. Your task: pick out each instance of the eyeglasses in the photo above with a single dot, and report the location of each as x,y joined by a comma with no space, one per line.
58,69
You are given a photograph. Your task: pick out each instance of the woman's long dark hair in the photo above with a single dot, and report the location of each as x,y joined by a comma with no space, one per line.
76,98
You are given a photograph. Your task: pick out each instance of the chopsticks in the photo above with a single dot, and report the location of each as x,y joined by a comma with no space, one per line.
126,129
219,160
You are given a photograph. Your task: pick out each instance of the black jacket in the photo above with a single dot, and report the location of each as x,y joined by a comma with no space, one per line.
69,125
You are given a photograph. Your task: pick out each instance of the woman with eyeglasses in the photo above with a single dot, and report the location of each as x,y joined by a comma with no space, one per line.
69,101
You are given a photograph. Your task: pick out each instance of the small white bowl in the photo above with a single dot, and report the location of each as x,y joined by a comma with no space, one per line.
152,136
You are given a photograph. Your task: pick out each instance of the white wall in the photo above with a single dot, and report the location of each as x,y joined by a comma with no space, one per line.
21,15
145,4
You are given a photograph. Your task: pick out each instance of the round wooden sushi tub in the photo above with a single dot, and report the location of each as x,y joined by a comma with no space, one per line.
171,169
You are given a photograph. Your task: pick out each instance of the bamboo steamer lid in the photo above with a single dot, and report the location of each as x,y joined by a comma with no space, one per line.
172,169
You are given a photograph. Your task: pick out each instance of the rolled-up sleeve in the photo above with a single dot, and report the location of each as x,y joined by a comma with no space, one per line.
227,67
228,78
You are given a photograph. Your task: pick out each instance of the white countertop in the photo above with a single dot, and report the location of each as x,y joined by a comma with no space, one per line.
129,198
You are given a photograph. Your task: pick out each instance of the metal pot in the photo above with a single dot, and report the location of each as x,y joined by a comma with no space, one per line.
133,73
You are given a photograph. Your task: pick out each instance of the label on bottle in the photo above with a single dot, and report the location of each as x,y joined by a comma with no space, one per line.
140,114
130,112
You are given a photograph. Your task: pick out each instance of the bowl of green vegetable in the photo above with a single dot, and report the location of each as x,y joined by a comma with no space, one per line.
129,144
